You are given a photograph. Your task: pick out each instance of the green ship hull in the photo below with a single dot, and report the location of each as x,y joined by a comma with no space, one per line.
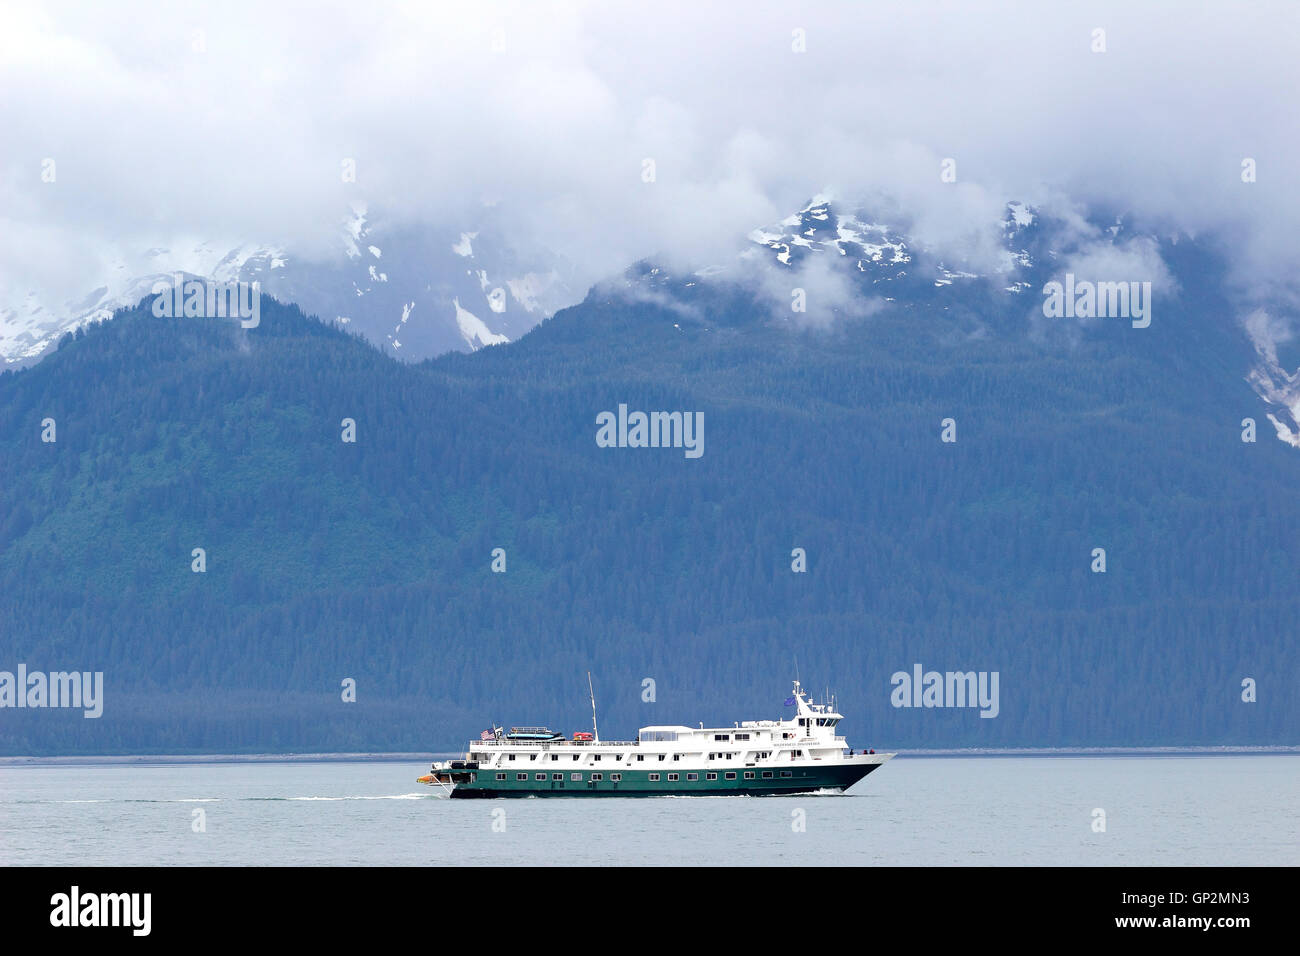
488,784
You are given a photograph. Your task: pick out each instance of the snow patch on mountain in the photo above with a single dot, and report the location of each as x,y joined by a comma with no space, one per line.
30,327
819,228
355,227
422,278
528,289
1271,382
476,334
465,245
1021,215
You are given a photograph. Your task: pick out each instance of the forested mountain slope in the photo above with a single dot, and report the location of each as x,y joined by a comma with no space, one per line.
372,560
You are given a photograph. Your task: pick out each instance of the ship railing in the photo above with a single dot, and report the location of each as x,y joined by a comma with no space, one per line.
478,744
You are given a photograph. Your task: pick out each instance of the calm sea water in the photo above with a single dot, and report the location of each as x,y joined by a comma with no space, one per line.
1166,810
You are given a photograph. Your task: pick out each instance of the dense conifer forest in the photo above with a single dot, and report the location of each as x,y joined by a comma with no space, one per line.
373,560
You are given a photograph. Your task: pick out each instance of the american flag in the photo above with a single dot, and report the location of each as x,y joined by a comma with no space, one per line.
486,735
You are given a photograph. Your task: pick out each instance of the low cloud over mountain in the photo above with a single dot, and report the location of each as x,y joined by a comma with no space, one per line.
598,138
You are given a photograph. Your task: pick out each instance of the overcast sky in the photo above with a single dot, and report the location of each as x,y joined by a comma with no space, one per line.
229,122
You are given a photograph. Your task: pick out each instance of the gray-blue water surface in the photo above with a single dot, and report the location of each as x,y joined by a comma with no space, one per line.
1158,810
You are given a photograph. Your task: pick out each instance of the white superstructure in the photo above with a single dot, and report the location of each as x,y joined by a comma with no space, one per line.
751,750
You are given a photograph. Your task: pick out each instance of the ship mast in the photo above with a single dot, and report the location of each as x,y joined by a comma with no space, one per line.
595,734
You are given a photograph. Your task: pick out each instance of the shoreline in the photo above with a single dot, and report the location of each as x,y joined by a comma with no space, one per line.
162,760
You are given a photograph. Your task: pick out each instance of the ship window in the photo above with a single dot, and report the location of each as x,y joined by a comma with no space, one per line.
730,775
616,777
692,776
521,776
654,778
597,757
557,776
710,776
749,775
663,756
677,756
532,756
501,776
767,774
742,736
555,756
512,757
721,736
785,773
575,776
575,756
640,756
541,776
673,776
596,776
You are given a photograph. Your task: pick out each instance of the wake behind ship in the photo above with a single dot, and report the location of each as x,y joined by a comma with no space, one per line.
753,757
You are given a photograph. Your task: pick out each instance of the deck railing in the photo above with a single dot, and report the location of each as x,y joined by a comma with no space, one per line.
476,744
735,745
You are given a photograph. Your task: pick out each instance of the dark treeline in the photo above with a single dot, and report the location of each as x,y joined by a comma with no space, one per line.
372,561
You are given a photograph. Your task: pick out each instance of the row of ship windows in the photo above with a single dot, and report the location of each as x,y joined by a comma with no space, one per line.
761,755
654,777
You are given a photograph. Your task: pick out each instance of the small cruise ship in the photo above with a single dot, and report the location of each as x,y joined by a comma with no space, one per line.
801,754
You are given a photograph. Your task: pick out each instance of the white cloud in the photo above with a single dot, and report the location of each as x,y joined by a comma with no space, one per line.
242,141
1136,260
818,284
